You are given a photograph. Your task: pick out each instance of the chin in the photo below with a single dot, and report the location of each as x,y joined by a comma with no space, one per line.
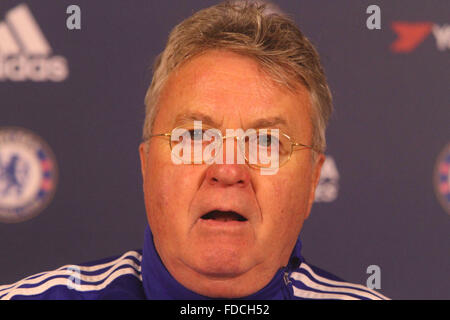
220,269
223,261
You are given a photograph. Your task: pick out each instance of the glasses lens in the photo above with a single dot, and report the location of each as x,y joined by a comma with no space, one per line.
266,148
195,145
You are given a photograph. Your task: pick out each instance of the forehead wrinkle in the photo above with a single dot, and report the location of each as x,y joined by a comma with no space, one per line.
204,73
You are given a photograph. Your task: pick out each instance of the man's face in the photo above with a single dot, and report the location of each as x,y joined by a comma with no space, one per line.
220,257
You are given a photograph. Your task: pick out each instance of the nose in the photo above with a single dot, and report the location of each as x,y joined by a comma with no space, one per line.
228,175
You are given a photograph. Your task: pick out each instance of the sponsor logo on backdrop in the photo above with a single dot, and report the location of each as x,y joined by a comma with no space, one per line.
25,53
442,178
328,187
411,34
28,174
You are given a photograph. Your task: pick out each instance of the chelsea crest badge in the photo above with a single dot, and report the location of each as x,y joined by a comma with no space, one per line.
28,174
442,178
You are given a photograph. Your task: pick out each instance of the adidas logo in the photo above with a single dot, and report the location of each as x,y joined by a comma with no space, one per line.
25,53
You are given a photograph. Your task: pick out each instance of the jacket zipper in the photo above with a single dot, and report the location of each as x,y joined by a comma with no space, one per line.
288,290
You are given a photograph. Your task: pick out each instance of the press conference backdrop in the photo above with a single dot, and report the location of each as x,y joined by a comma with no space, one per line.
71,113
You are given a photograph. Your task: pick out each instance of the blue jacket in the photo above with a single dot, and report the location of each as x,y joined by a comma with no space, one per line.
140,274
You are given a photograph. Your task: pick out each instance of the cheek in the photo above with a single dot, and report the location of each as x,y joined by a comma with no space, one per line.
290,207
169,191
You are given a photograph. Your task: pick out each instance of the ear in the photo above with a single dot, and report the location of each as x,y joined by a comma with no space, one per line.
143,150
317,168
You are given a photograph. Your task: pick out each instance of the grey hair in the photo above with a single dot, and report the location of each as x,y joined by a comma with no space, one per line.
249,29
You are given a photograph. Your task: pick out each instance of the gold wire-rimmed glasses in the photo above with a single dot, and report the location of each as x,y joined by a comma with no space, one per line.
254,145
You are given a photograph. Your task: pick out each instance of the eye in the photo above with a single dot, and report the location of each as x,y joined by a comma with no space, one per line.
266,139
196,134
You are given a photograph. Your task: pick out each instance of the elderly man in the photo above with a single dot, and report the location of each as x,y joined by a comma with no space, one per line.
233,146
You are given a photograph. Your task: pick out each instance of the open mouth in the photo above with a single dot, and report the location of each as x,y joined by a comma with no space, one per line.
223,216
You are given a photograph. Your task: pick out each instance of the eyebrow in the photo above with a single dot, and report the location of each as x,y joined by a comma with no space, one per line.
196,116
269,122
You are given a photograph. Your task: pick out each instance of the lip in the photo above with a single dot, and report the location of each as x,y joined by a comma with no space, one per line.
224,209
231,225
